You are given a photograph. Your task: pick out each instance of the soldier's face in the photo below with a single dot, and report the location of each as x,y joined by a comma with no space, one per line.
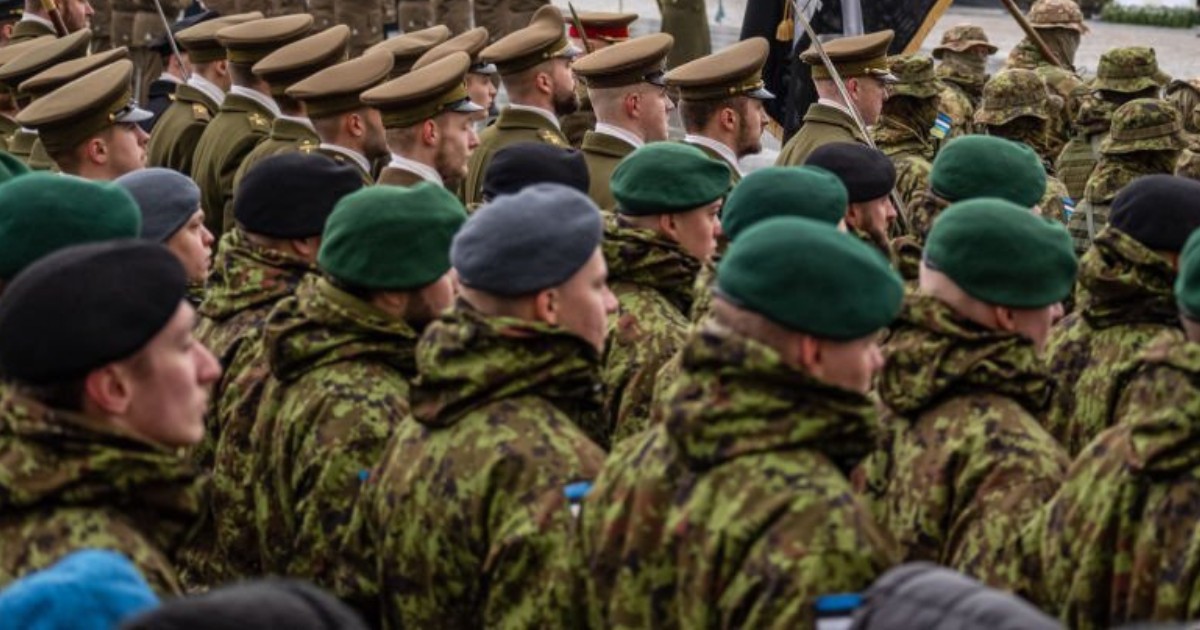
126,146
374,137
481,90
192,245
562,81
849,365
168,384
868,94
753,123
458,141
697,230
76,14
873,217
654,110
583,303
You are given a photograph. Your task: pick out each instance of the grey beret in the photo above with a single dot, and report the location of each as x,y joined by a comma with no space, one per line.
524,243
166,198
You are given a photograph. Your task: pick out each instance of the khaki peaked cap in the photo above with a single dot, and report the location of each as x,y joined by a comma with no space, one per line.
861,55
301,59
12,51
72,46
733,71
250,42
601,25
542,40
337,89
84,107
200,41
471,42
61,74
407,48
641,60
424,93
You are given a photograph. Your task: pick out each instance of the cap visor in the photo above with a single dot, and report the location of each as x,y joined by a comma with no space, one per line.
465,106
135,114
886,77
762,94
484,68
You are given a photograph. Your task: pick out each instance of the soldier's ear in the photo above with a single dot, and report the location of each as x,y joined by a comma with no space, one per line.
107,390
429,132
546,306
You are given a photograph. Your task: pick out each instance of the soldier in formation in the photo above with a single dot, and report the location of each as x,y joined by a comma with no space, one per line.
904,131
962,70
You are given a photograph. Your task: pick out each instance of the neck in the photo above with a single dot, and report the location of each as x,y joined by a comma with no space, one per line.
94,172
539,100
344,141
626,125
720,134
420,153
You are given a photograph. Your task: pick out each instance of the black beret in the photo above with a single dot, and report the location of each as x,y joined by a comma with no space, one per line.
291,195
524,163
1158,211
867,173
266,603
521,244
86,306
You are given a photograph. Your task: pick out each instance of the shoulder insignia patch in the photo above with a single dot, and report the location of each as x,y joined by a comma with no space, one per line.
307,147
259,121
549,137
200,112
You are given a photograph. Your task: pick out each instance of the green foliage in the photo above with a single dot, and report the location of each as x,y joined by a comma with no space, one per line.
1175,17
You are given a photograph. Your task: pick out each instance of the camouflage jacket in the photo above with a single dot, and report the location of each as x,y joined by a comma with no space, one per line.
340,372
964,460
911,151
955,102
1062,82
736,511
1119,541
68,483
1078,158
469,503
1112,173
1124,300
653,279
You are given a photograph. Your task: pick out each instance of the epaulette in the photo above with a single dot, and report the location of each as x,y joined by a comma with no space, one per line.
200,113
549,137
259,122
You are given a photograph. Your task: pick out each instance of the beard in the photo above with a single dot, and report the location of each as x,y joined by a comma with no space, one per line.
452,168
566,104
749,140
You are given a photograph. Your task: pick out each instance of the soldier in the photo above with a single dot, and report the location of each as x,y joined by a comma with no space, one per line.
1060,25
8,100
600,30
721,102
667,201
1118,539
869,178
964,461
175,68
1017,106
535,68
280,211
196,102
962,69
1146,138
509,381
137,25
385,262
292,130
737,509
687,22
625,86
246,113
1124,74
479,75
428,122
10,14
1124,302
1185,95
80,142
862,63
903,131
409,47
35,22
99,407
32,62
351,132
523,164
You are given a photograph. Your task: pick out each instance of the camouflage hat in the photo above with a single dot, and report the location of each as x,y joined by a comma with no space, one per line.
1144,124
1057,14
961,38
1011,94
1185,96
914,76
1127,70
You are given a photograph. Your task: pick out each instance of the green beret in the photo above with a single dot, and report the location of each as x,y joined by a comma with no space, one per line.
44,212
1187,283
986,166
666,178
1002,253
810,277
782,191
391,237
11,167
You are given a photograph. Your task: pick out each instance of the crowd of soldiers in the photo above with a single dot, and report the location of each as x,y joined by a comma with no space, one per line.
335,312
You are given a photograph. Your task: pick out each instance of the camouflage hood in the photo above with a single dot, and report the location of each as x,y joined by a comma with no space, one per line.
245,275
1166,439
467,360
1095,114
935,354
51,459
1114,172
1123,282
964,70
906,130
323,325
644,258
735,397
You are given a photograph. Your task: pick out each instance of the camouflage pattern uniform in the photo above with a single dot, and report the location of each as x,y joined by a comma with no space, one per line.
1185,96
1060,25
962,75
69,483
1125,300
1119,541
1145,139
736,511
1078,158
340,372
652,278
902,132
964,460
511,126
470,501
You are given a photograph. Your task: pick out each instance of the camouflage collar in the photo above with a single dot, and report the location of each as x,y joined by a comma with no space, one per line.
245,275
1123,282
1163,435
644,258
1114,172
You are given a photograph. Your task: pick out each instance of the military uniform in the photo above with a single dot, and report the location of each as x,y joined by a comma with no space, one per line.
31,27
36,59
962,74
1078,158
464,542
1145,139
1060,25
71,483
1124,300
1185,96
829,121
245,116
687,22
409,47
9,52
288,133
136,25
601,30
542,40
902,132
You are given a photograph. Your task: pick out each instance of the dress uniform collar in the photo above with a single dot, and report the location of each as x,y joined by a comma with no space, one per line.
29,17
720,147
539,111
356,157
424,170
619,133
828,102
258,97
299,120
207,87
